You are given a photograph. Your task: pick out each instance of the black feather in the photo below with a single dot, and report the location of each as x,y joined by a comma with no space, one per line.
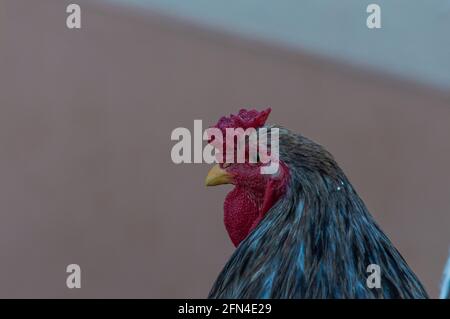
316,241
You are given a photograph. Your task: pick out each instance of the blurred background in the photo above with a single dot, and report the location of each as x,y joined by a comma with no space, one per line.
86,117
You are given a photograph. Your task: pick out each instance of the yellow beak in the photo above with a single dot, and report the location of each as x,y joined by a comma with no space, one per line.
218,176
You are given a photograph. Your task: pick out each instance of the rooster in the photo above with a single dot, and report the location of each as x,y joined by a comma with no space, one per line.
302,232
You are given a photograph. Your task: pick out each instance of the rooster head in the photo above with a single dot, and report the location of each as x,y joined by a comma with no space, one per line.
302,232
254,193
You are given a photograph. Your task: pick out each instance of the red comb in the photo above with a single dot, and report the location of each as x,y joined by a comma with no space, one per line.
244,119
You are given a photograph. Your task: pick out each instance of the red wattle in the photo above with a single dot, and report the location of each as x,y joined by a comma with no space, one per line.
254,193
243,210
240,211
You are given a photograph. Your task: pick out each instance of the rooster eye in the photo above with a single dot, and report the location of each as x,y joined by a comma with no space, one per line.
225,165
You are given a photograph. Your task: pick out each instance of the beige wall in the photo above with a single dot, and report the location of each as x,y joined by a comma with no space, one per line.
86,174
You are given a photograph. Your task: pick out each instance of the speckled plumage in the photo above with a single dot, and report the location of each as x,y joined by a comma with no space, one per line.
316,241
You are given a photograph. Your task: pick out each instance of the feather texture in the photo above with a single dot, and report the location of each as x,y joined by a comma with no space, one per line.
316,241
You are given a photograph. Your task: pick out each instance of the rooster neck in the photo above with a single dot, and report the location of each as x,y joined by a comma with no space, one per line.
316,242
